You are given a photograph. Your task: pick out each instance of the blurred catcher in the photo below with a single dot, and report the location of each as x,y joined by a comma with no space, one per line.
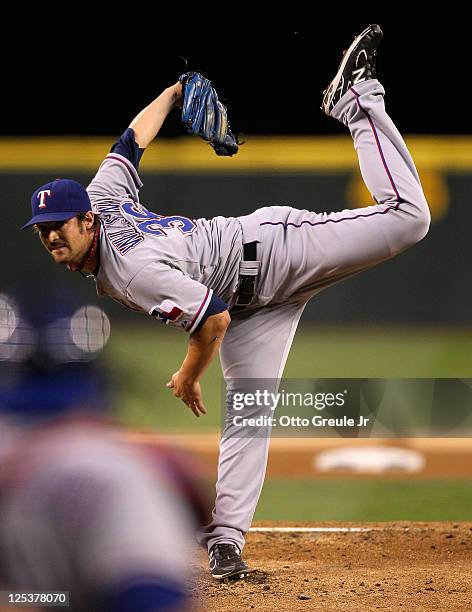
85,512
83,509
262,268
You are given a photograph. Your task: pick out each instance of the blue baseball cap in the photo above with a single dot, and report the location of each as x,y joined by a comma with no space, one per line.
59,200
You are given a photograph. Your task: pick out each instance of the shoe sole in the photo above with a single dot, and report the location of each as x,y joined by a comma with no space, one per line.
332,87
240,574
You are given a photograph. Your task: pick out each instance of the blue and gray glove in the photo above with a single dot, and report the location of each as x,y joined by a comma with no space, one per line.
203,114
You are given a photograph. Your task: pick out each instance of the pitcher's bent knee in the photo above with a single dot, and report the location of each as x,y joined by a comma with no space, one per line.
418,224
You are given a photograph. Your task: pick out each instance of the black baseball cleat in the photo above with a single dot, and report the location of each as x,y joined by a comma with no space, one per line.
226,562
357,65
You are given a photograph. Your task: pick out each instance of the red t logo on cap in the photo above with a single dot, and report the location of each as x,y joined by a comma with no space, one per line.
42,197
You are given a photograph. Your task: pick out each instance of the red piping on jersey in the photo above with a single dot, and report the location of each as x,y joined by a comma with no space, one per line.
199,310
131,170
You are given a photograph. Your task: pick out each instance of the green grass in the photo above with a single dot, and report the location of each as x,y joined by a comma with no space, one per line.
366,500
142,360
143,357
376,352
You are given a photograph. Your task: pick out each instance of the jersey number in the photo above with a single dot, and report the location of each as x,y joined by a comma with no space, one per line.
157,224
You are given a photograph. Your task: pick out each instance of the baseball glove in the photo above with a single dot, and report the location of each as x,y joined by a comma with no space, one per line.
203,114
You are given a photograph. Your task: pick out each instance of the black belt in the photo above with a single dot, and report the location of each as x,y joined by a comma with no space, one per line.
247,282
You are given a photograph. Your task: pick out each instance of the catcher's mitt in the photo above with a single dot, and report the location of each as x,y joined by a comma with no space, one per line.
203,114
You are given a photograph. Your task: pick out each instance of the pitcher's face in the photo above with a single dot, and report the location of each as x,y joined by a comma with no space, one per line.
67,241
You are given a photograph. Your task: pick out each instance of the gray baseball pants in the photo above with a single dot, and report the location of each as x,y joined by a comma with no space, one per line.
301,253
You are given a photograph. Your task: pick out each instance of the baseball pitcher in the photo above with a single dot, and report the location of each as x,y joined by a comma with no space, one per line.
236,286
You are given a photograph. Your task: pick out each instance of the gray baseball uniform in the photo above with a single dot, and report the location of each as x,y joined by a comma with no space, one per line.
168,266
183,270
84,512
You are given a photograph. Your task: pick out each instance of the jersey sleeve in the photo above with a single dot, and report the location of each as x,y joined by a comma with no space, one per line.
172,297
117,178
127,147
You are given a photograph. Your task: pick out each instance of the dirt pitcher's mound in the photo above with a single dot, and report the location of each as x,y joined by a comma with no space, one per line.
395,566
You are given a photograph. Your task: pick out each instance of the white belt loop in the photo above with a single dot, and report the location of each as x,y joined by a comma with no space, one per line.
249,268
